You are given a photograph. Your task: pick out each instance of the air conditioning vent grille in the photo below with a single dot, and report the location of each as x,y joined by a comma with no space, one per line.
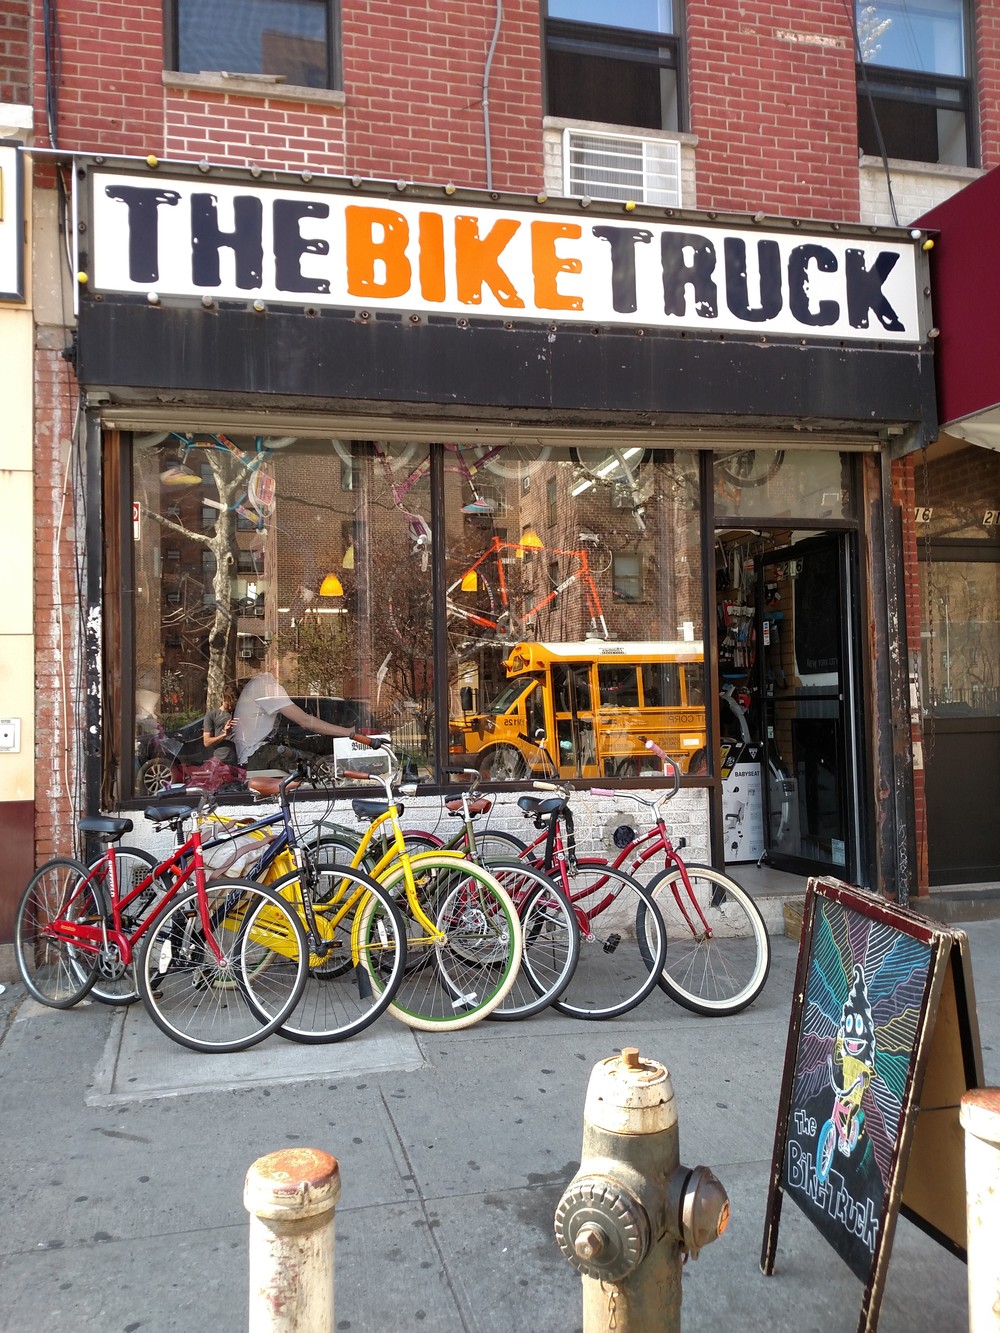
647,171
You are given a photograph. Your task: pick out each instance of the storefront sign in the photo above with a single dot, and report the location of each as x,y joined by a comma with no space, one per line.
11,222
193,237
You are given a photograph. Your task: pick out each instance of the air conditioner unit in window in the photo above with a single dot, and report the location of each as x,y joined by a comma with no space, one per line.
248,652
611,166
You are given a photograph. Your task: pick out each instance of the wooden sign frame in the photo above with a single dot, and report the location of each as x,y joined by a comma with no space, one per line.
883,1040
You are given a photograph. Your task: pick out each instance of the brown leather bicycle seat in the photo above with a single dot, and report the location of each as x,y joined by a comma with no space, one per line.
478,807
270,786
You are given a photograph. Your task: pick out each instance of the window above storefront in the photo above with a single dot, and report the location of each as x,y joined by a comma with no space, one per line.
290,41
617,65
914,88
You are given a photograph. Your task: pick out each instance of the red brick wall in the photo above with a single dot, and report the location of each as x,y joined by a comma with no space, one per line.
413,79
58,733
775,114
987,73
413,74
15,52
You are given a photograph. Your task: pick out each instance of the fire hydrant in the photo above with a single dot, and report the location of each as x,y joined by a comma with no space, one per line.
632,1213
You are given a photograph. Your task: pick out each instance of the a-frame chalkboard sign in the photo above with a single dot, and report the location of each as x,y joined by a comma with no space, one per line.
882,1043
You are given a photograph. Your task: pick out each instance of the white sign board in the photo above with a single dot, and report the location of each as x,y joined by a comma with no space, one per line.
11,222
197,236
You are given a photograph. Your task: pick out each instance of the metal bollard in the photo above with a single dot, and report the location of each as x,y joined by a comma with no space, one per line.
632,1213
291,1196
979,1115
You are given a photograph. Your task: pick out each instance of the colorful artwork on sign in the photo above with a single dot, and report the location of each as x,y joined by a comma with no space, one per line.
866,988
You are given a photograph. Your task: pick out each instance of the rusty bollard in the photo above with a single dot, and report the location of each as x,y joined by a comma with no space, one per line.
979,1114
632,1212
291,1196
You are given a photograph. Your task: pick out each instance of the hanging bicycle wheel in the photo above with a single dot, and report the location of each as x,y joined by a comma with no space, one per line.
230,987
116,982
718,949
514,461
550,935
55,972
750,467
611,466
339,998
623,943
454,982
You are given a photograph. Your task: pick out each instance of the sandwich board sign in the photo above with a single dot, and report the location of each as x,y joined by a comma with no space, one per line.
883,1041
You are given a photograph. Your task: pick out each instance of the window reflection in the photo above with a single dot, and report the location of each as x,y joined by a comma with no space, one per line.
555,622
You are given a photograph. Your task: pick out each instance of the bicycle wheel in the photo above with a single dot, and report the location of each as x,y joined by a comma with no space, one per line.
623,943
339,999
453,983
495,845
550,940
55,972
750,467
611,466
226,1003
116,982
718,950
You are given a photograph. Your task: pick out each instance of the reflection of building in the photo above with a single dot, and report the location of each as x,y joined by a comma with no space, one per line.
765,425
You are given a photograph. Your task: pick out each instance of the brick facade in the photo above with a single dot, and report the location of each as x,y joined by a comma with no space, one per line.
772,128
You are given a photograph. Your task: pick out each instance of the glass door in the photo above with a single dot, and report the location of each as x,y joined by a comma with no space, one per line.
805,630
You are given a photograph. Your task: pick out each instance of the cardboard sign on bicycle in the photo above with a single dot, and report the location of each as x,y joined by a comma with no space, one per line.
883,1041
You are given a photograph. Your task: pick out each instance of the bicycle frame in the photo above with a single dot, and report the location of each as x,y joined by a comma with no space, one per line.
93,937
493,553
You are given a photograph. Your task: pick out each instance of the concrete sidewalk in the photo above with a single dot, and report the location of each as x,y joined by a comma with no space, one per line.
125,1158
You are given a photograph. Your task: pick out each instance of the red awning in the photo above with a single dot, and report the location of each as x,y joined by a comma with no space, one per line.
965,285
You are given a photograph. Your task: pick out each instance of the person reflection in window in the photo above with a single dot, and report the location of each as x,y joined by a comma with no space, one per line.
256,715
217,728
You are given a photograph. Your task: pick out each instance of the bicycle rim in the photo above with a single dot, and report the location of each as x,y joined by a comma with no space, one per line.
227,1004
718,950
550,941
54,971
622,945
495,845
115,981
454,983
339,998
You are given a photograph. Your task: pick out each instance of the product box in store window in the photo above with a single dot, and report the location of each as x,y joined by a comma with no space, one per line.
742,801
358,757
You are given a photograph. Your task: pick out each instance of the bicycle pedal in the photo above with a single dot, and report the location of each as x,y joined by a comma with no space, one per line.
612,943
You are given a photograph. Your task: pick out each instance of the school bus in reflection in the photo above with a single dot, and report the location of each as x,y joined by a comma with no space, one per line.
587,707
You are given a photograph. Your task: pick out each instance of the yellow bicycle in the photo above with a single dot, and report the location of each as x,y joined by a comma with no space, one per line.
463,936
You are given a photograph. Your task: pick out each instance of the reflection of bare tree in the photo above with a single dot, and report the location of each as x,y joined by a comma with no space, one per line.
870,29
229,475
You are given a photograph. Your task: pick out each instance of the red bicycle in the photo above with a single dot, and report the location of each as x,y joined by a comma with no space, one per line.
219,964
718,949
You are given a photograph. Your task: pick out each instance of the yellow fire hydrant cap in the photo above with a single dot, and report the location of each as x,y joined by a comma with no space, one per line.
630,1095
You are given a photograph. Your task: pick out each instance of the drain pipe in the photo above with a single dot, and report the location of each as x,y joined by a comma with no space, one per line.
486,96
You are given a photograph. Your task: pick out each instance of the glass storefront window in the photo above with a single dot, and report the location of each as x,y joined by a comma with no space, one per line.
772,483
554,622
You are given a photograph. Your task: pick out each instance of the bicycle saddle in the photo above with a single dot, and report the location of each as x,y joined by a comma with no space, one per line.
477,807
105,825
372,809
270,786
169,814
542,805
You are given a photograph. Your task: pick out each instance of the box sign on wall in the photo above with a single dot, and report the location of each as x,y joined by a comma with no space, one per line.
11,222
191,237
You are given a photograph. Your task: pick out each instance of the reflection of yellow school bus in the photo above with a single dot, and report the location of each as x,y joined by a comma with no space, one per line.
592,705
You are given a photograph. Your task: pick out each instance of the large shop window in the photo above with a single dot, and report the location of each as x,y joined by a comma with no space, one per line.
514,609
914,91
617,64
290,40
